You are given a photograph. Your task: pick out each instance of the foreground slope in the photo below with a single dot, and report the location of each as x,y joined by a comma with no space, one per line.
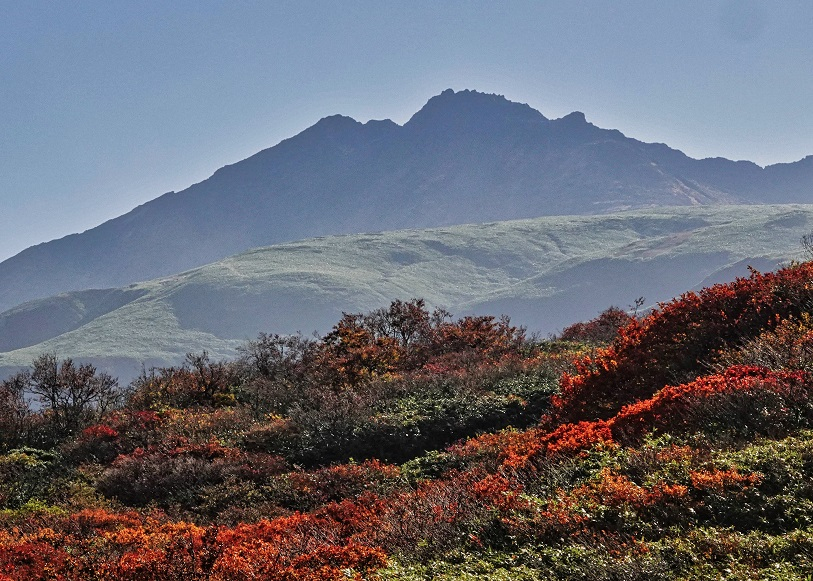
547,272
465,157
681,449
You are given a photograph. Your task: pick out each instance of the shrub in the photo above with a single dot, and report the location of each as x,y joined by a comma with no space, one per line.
599,331
739,403
198,382
674,343
167,474
28,474
787,347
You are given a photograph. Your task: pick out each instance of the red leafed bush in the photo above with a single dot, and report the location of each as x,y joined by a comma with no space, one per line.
322,563
333,562
122,432
673,343
33,560
101,432
498,491
428,520
741,401
108,547
345,481
96,519
601,330
567,439
518,450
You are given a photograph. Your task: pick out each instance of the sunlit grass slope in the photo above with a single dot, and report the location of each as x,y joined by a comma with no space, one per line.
546,272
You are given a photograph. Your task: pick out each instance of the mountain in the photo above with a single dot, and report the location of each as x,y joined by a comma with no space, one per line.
545,273
465,157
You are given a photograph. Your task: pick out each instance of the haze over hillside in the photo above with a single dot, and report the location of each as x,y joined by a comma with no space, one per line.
465,157
545,273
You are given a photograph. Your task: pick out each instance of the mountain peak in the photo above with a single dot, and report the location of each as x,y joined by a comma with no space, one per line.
330,128
574,118
465,157
334,122
469,107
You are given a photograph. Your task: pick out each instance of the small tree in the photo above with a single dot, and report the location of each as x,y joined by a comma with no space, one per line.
406,322
71,397
807,245
199,382
15,414
277,371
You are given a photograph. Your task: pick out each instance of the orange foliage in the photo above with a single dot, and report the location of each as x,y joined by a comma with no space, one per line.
674,409
722,480
616,490
137,549
406,338
616,397
567,439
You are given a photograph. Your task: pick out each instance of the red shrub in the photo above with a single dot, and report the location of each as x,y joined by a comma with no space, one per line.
601,330
674,341
101,432
346,481
743,399
33,560
613,489
567,439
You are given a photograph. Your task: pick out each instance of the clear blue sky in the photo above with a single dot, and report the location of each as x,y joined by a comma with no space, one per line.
105,105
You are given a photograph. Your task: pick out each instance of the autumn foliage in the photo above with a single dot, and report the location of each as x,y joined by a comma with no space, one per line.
673,343
404,445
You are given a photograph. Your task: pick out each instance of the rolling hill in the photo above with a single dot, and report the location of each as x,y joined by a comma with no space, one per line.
465,157
545,273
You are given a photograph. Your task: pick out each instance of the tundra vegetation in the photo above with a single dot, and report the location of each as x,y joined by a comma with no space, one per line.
406,444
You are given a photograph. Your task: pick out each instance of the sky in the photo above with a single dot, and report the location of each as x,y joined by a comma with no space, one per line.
106,105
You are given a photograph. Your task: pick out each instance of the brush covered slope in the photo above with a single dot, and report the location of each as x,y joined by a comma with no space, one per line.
465,157
681,449
547,272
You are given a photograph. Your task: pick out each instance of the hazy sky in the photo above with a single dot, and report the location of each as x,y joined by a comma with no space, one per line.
105,105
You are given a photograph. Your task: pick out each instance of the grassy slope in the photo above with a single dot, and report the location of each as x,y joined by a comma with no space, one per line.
547,272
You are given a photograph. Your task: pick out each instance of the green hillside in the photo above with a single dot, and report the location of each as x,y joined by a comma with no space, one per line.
547,272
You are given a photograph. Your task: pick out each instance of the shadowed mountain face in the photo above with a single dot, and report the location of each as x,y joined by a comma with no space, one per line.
465,157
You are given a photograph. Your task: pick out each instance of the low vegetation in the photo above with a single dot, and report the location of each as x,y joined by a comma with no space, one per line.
406,444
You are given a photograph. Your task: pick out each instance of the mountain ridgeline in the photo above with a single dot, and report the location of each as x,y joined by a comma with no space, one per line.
465,157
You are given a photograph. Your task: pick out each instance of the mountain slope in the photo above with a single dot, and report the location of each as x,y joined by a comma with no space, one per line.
465,157
545,272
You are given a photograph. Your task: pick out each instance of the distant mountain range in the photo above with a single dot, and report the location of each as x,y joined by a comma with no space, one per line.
465,157
545,272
